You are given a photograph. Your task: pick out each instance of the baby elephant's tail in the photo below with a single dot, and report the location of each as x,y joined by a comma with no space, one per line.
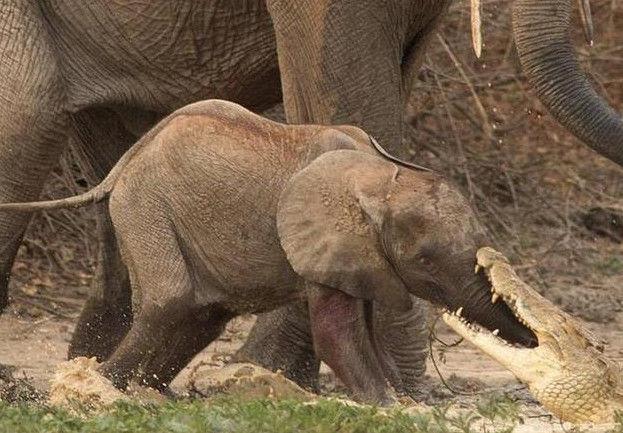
103,190
92,196
97,194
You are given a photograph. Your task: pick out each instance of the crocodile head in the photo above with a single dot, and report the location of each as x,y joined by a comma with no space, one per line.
567,371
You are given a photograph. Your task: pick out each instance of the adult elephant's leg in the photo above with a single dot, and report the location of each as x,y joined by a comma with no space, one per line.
340,63
352,61
32,122
281,340
107,315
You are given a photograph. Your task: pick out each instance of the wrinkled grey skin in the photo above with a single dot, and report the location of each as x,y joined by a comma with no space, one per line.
219,212
547,57
102,73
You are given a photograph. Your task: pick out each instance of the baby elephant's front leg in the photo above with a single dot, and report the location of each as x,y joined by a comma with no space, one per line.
342,340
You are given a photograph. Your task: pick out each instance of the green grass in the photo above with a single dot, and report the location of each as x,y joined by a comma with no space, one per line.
257,416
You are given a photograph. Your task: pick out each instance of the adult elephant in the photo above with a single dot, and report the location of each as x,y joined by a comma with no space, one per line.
103,72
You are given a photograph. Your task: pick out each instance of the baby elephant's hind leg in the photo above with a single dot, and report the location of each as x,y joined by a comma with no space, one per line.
161,343
169,327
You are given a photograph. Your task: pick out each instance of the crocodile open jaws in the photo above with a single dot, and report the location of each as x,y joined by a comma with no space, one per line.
567,372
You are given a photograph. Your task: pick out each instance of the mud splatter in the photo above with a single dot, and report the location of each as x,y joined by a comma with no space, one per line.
244,380
78,385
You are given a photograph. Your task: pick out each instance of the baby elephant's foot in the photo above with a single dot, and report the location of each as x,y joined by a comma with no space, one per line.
161,343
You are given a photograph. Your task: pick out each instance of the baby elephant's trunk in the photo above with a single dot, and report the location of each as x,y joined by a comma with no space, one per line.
478,307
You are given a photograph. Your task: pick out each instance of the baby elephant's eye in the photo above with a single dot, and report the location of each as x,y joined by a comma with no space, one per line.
424,261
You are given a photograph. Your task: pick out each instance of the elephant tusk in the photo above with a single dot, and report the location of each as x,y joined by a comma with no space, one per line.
391,157
587,20
477,27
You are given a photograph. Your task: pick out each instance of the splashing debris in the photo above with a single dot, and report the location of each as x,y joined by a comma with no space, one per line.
244,380
78,385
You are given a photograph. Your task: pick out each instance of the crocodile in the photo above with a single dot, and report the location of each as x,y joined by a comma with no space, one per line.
567,372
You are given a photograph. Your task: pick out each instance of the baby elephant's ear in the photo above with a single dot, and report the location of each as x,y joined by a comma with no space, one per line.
329,220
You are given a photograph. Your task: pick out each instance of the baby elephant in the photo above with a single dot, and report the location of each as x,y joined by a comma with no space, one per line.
220,212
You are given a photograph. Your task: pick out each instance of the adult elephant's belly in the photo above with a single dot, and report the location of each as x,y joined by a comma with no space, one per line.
160,55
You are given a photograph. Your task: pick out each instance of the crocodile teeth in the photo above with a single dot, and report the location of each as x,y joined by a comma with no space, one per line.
459,311
478,267
496,332
494,298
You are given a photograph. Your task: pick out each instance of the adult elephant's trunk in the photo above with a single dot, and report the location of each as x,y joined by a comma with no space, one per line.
541,29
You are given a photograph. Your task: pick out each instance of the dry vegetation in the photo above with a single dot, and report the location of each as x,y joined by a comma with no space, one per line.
531,181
